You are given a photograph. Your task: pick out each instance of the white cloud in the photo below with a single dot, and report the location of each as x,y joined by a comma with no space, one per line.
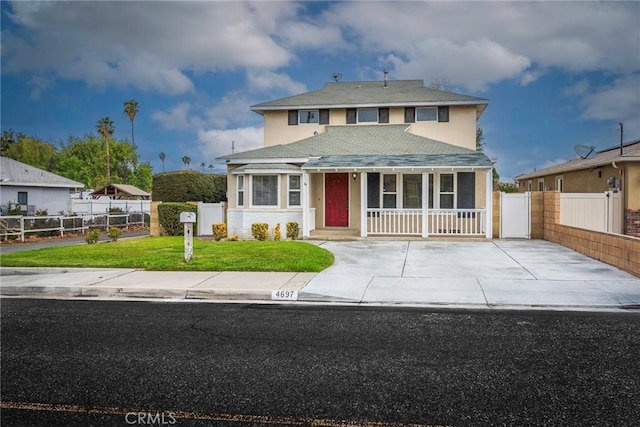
619,102
233,108
145,44
178,117
215,142
269,81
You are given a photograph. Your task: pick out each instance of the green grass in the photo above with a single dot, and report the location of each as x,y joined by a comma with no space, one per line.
167,253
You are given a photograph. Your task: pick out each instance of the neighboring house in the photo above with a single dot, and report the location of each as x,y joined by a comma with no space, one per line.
34,189
613,169
121,192
369,158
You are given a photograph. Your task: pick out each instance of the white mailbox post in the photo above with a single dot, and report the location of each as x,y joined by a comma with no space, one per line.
188,219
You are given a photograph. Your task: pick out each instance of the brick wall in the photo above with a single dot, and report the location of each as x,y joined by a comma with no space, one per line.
632,222
615,249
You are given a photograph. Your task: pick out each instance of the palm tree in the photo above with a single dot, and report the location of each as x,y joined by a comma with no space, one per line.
186,160
202,165
131,109
162,157
210,168
105,128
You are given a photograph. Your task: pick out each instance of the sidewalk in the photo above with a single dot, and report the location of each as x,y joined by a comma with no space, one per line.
476,274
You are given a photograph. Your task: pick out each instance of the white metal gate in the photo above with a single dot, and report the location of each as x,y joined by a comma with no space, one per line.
515,215
209,214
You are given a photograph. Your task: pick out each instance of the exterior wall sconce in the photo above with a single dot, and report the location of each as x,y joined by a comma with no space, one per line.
354,176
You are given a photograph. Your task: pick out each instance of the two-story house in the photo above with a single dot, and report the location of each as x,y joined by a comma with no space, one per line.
369,158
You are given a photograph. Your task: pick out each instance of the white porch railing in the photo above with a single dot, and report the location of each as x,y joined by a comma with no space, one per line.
438,222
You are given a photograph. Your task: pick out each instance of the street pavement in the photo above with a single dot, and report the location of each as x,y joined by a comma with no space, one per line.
518,274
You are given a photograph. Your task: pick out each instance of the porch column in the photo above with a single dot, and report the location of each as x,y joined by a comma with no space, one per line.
363,204
488,200
305,204
425,204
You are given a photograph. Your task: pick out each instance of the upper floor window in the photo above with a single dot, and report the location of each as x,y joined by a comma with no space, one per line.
308,116
426,114
367,115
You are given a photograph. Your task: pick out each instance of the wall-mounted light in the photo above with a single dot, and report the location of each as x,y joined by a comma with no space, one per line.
354,176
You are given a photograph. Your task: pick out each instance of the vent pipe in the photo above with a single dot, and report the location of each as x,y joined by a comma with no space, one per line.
621,133
385,78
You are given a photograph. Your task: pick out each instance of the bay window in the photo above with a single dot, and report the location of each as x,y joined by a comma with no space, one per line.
265,190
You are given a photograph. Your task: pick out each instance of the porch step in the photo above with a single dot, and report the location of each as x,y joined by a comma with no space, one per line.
345,234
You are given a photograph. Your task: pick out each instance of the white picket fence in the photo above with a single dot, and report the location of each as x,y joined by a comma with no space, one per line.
592,211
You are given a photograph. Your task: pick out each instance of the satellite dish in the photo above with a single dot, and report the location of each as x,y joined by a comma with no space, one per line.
336,76
584,151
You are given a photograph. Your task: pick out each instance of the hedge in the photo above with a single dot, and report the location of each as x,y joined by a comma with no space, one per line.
189,186
169,217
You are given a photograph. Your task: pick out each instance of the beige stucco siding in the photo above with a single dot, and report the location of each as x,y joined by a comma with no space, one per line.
460,130
632,187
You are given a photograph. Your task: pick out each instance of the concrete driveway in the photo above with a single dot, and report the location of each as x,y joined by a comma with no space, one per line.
477,273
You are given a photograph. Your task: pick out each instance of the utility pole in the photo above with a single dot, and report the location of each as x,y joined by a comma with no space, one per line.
621,137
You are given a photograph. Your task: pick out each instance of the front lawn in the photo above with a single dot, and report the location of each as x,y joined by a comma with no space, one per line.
167,253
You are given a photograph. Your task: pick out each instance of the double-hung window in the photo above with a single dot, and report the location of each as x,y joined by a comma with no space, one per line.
241,190
447,191
294,190
412,191
22,198
265,190
389,191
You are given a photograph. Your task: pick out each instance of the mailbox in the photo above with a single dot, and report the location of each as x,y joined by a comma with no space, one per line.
188,217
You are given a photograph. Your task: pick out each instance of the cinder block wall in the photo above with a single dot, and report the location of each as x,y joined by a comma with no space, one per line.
615,249
154,224
537,214
496,214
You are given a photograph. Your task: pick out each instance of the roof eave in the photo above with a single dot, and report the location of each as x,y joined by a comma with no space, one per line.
545,172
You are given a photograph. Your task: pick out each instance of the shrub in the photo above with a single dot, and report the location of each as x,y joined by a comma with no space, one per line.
233,238
277,234
219,231
189,186
260,231
92,236
169,217
114,233
293,230
11,208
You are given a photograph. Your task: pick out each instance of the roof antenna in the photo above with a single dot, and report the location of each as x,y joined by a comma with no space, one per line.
621,137
336,77
385,78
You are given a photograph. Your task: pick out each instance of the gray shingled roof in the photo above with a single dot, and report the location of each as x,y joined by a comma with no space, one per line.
15,173
361,143
630,153
266,167
398,93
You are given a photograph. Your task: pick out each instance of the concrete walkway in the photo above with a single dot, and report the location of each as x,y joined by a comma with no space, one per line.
472,274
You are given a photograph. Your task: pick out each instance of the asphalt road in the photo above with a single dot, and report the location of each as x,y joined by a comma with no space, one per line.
142,363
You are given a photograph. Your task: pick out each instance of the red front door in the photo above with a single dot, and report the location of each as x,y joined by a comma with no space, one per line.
336,199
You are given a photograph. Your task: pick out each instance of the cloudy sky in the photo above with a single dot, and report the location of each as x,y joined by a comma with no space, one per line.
556,74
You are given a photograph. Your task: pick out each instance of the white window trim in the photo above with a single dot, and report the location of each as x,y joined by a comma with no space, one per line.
426,108
242,190
540,181
289,190
300,122
382,192
438,193
560,183
276,206
377,120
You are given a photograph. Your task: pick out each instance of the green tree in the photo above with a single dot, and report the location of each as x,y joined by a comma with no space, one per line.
32,151
186,160
106,128
162,157
479,139
202,165
8,138
210,169
131,109
143,176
